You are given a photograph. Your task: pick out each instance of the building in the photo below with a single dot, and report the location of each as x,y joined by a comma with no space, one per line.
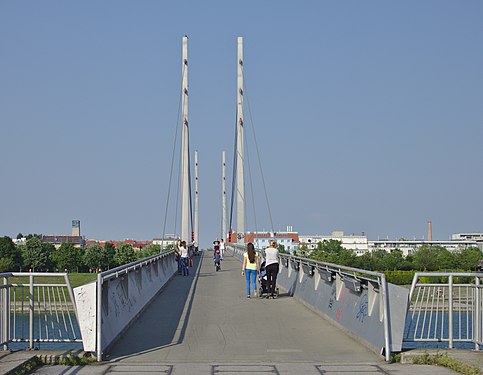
19,241
169,239
478,237
57,240
136,245
75,238
76,228
261,240
409,247
358,244
467,236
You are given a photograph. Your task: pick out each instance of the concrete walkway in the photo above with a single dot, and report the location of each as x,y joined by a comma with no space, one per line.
207,318
204,324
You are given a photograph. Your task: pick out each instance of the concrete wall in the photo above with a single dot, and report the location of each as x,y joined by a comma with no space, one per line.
359,313
123,297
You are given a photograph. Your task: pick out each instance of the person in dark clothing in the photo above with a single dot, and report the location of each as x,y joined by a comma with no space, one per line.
271,267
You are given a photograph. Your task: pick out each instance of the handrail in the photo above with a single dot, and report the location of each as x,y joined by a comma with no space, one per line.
115,273
335,267
353,273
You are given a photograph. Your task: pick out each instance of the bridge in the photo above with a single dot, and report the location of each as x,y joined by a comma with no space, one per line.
145,317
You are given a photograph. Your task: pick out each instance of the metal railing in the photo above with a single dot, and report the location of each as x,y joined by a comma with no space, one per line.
445,307
33,311
115,273
352,278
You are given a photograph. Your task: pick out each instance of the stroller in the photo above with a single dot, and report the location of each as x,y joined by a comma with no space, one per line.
263,280
217,260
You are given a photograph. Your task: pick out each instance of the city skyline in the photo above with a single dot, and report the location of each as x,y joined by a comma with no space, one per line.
368,115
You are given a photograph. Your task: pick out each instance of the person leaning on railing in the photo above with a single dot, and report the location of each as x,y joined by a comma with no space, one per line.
178,258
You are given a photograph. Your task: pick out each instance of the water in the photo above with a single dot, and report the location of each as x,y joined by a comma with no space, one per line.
435,325
46,326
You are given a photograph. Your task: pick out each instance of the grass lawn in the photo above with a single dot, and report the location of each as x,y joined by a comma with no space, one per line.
76,279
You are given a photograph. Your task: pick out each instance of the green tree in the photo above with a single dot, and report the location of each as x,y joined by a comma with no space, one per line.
48,249
344,257
10,255
393,260
426,258
326,250
468,258
93,257
148,251
124,254
330,246
332,251
19,236
281,248
446,259
67,257
365,262
34,254
108,253
6,264
378,259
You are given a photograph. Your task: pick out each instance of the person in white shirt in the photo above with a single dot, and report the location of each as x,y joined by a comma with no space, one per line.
183,250
271,267
222,248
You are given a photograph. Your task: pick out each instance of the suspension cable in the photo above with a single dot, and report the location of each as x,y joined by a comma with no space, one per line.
171,169
233,181
258,155
251,187
178,190
189,186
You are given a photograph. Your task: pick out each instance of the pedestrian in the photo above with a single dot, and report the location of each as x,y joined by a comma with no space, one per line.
250,269
178,258
217,259
222,248
271,267
183,251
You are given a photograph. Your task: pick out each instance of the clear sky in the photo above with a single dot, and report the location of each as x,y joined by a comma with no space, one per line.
368,114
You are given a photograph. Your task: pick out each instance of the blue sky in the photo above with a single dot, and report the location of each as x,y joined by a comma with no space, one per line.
368,114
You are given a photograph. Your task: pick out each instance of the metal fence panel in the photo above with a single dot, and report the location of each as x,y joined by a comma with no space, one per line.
33,310
445,307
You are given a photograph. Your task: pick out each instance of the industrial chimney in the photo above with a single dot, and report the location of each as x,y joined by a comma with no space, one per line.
430,231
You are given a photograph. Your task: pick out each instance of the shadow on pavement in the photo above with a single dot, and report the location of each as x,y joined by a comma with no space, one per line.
164,321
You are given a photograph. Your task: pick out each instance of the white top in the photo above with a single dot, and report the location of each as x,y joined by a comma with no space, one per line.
183,252
222,246
271,256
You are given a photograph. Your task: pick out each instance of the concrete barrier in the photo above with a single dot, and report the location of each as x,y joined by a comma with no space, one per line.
354,300
119,296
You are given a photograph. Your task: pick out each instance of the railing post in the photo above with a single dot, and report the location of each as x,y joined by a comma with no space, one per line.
450,311
476,314
31,311
6,314
387,331
71,294
99,317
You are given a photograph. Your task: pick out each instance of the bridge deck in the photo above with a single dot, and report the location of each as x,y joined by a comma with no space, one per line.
206,317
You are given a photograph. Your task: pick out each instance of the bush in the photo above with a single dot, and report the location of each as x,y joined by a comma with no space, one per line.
399,277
